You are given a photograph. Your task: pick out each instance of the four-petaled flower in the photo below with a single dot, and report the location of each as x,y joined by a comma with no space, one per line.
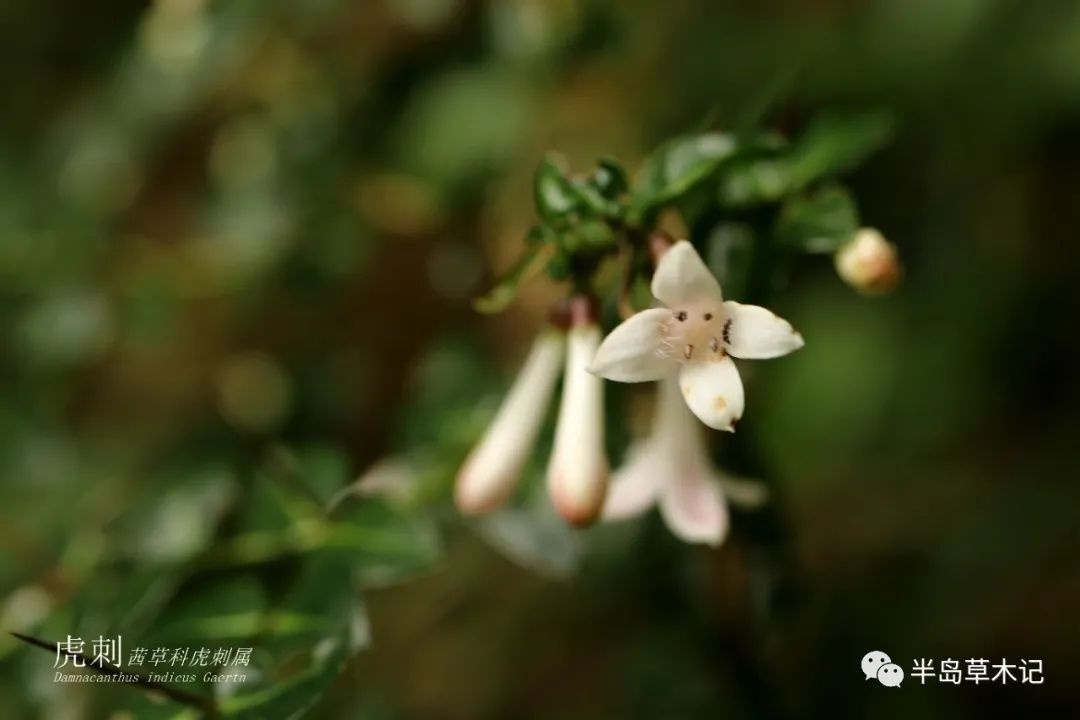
695,336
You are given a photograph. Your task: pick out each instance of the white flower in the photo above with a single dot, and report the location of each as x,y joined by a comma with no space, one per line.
578,470
493,468
694,336
869,263
671,468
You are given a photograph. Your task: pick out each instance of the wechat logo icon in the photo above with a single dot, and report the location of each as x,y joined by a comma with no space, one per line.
876,664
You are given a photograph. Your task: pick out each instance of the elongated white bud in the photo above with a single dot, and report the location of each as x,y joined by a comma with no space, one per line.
578,469
493,468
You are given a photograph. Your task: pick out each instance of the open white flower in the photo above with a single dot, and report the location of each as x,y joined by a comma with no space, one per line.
694,336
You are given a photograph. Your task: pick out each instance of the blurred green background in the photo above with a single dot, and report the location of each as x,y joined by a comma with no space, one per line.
238,244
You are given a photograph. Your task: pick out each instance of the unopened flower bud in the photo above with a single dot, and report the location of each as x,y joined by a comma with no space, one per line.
869,262
578,470
494,467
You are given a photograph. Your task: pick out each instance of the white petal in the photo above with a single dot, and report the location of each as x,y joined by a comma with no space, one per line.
494,467
635,486
714,392
694,508
578,470
631,352
757,333
681,276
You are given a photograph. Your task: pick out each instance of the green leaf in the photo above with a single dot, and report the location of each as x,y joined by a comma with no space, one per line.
609,179
505,290
588,236
676,166
819,222
756,181
832,144
730,252
220,612
553,192
295,696
836,142
385,543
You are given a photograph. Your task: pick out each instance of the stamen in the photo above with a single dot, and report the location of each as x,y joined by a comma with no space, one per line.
727,332
680,316
714,344
688,351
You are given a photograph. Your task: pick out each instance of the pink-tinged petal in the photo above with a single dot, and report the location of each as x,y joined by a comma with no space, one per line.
713,391
634,487
754,333
681,277
578,470
631,352
694,509
493,468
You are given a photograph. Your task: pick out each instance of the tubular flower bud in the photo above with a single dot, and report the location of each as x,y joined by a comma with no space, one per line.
869,263
578,469
493,468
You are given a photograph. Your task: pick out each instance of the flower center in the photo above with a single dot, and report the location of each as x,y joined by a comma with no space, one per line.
696,332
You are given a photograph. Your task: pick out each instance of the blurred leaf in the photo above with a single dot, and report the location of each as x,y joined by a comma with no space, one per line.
675,167
833,143
730,251
387,543
756,181
836,142
146,706
535,539
820,221
450,132
553,193
177,523
590,236
325,588
505,290
223,610
293,697
609,179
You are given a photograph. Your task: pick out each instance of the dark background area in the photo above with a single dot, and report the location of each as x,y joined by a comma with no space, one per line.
232,232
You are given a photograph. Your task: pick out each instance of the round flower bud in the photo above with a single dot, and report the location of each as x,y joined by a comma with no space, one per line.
869,263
